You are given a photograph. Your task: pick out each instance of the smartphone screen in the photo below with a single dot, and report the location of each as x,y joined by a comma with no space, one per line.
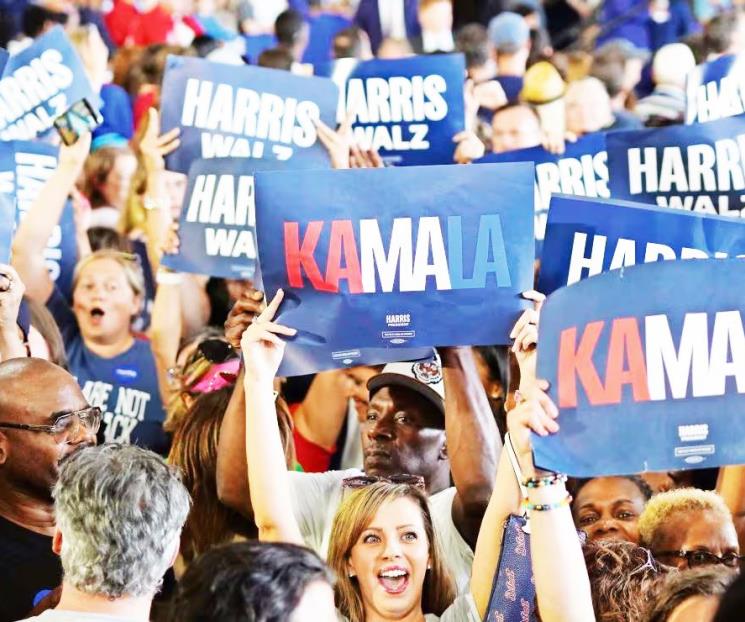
79,118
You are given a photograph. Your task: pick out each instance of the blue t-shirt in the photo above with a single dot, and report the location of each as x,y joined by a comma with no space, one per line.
124,387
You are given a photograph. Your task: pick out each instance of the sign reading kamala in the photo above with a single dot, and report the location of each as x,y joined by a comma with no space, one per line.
407,109
416,256
40,83
245,112
217,227
698,167
582,170
647,368
24,169
585,237
716,89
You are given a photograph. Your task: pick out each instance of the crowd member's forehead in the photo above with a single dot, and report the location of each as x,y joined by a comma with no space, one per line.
699,529
31,390
604,490
396,399
515,116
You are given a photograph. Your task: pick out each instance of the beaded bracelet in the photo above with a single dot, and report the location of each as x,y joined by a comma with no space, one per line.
547,480
545,507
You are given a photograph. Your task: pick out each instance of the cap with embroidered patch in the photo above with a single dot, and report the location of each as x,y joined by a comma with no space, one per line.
424,377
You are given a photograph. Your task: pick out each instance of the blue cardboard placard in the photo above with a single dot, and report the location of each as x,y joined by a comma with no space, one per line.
217,225
300,360
39,84
647,368
691,167
245,112
407,109
582,170
585,237
715,90
24,169
428,256
4,56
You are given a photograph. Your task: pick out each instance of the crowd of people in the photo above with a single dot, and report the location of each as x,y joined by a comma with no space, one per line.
153,464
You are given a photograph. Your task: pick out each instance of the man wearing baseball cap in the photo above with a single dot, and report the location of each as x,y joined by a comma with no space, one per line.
428,419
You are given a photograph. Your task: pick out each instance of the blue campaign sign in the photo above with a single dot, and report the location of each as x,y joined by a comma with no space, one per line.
715,90
4,56
433,255
245,112
39,84
585,237
695,167
25,167
582,170
407,109
217,226
647,368
300,360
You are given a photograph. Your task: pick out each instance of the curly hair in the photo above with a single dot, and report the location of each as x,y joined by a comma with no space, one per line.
623,578
678,587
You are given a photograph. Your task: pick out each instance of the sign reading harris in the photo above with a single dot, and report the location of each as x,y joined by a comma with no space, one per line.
647,368
434,255
582,170
24,169
407,109
585,237
217,226
698,167
245,112
716,90
39,84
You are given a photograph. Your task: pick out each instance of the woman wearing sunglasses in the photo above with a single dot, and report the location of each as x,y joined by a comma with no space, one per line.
115,367
383,547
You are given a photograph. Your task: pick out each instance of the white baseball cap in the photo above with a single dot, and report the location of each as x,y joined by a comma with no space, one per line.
424,377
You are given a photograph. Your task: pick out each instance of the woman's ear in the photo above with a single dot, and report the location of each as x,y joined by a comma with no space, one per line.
444,450
351,572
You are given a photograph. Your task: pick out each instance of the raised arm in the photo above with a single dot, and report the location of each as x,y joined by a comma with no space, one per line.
33,233
472,439
11,293
232,480
268,477
561,581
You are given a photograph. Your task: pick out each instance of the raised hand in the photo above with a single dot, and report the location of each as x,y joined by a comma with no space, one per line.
537,414
247,307
525,334
261,343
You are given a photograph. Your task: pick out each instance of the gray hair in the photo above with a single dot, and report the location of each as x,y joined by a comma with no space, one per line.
120,510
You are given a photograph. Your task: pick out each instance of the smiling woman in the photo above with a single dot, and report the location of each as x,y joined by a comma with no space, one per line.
386,556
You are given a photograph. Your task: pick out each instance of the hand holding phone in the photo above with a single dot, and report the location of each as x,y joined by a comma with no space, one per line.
78,119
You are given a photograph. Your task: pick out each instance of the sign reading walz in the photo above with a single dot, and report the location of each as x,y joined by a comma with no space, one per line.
245,112
699,167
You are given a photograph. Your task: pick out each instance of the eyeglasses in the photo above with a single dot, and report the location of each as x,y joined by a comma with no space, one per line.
216,350
361,481
70,425
696,559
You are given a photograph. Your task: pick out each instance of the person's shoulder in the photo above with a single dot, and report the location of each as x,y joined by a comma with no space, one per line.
463,609
442,499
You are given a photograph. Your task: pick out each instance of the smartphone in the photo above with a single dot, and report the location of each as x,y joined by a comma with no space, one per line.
78,119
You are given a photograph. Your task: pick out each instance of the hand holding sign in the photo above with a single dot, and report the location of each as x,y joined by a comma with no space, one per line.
673,364
246,308
11,293
154,146
261,345
535,415
525,335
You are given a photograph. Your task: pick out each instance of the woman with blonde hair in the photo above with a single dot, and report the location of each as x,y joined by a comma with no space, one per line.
118,369
383,546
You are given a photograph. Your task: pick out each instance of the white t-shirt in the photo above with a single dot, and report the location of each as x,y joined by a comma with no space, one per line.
463,609
317,496
57,615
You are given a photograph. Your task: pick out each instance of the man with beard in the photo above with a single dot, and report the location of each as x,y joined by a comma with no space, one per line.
43,418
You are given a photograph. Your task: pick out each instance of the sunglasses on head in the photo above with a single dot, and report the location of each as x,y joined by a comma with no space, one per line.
216,350
361,481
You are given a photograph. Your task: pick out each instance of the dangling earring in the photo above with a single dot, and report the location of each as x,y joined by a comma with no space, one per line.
352,575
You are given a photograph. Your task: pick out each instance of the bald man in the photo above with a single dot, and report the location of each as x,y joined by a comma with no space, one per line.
43,418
